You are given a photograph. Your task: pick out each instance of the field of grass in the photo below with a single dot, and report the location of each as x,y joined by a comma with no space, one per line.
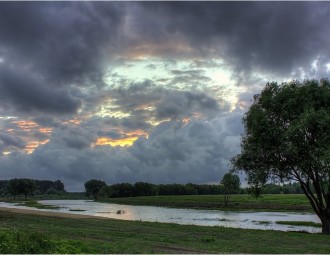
65,235
271,202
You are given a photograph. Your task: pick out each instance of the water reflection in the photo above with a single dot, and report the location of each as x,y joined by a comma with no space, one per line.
248,220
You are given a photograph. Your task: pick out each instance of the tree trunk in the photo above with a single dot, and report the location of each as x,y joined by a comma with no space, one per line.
325,226
226,200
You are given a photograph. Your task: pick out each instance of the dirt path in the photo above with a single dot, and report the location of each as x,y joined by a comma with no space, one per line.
47,213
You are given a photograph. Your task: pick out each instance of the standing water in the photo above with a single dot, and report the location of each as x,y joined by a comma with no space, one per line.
233,219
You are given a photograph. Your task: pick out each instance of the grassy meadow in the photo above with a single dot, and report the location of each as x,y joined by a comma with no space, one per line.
268,202
24,233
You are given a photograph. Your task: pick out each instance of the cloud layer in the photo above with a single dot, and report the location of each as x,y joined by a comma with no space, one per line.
143,91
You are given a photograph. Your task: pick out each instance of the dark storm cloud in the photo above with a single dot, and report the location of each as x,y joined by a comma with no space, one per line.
27,93
73,138
174,152
266,36
47,121
63,42
8,140
54,55
72,43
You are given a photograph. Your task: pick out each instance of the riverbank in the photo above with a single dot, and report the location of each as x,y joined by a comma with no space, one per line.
86,234
268,202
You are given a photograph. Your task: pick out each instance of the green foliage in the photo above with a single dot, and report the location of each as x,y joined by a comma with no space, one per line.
287,138
38,187
122,190
21,186
93,187
14,241
144,189
231,185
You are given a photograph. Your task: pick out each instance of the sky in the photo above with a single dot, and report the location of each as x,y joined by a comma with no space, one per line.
143,91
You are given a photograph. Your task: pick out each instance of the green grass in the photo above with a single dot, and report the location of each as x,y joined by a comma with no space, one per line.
300,223
36,204
15,241
273,202
263,222
116,236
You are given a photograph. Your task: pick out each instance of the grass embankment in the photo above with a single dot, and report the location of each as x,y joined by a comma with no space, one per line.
271,202
67,235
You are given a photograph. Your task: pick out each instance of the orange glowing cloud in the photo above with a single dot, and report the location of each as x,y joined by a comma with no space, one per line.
127,140
138,132
26,125
31,146
47,131
186,120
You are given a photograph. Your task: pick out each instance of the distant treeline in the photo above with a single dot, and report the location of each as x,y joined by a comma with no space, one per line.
291,188
148,189
7,187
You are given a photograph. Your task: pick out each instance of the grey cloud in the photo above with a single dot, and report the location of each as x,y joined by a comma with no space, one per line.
179,104
66,42
72,42
29,94
274,37
8,140
73,138
112,134
47,121
168,103
198,152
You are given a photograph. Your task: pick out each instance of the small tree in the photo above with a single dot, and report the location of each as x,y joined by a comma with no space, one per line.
13,187
231,185
287,138
93,187
27,186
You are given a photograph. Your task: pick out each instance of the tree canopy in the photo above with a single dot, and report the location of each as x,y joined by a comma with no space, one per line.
21,186
231,185
287,137
93,187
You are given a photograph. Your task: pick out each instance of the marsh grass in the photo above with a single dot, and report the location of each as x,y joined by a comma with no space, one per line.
36,204
262,222
300,223
77,210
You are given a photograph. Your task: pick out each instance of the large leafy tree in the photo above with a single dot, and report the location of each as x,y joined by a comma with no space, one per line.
287,137
93,187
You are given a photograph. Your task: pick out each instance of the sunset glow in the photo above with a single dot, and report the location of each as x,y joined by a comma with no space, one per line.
31,146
